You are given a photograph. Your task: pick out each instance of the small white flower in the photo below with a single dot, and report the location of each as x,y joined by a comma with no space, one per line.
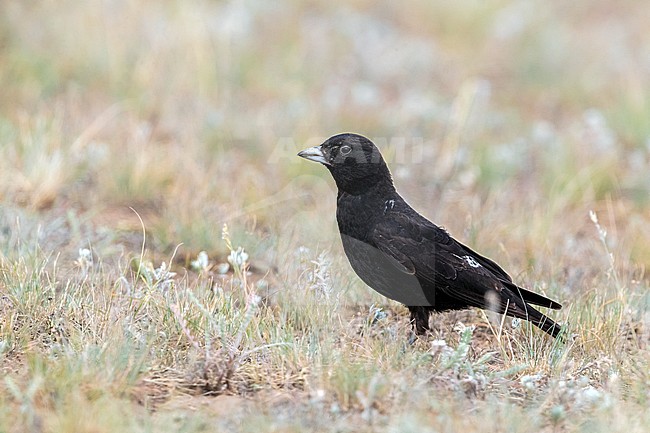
591,394
530,381
320,278
201,263
85,260
516,322
162,272
302,250
319,395
255,300
238,258
163,277
223,268
85,254
438,344
461,328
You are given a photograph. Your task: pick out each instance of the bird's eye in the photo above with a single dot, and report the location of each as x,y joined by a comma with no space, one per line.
345,149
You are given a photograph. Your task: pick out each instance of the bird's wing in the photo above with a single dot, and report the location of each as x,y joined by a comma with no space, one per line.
440,236
409,245
484,261
448,266
502,276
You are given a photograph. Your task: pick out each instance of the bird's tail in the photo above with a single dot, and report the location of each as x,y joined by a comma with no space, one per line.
540,320
524,298
548,325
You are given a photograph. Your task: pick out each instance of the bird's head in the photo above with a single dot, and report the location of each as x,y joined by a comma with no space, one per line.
354,161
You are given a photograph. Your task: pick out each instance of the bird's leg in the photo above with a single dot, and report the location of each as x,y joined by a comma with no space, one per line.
419,320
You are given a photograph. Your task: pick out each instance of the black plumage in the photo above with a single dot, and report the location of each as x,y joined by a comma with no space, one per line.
406,257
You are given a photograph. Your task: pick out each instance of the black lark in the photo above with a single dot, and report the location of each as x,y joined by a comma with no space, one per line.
406,257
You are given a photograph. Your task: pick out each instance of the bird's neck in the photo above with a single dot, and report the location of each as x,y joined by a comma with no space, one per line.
357,213
378,192
377,183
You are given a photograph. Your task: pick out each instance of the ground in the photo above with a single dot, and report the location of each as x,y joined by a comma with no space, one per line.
167,263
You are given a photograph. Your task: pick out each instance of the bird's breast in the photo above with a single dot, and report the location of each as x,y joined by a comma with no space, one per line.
384,274
358,215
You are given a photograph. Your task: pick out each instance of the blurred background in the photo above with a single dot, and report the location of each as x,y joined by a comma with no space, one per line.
132,131
504,121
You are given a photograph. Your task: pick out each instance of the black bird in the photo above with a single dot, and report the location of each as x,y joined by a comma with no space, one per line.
406,257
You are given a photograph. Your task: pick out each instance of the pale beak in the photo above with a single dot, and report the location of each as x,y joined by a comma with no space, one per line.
314,154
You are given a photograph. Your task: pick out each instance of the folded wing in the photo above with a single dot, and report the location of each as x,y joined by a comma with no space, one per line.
433,256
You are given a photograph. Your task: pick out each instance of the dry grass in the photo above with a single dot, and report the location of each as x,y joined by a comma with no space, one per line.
131,133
